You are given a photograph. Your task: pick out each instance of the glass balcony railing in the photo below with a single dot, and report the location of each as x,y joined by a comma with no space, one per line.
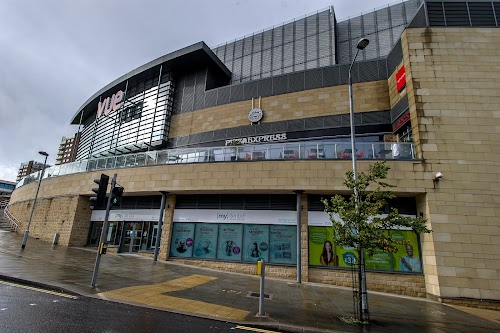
324,150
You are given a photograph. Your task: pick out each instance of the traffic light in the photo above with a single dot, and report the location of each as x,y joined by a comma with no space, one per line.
116,196
100,200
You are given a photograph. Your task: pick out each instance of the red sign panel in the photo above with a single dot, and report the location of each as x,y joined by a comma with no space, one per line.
401,79
401,121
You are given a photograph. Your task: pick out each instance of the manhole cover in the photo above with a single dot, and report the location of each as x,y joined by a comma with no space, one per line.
257,295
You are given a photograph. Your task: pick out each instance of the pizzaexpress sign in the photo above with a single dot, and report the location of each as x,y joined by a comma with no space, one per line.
257,139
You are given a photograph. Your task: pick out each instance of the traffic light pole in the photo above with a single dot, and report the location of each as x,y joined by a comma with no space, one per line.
103,233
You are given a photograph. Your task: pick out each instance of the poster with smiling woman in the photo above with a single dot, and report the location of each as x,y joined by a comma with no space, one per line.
256,242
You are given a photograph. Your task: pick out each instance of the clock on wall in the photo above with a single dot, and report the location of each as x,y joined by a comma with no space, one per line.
255,115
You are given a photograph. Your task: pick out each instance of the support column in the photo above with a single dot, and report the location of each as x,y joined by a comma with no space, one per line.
299,235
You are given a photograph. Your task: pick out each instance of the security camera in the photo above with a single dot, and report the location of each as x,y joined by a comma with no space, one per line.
438,176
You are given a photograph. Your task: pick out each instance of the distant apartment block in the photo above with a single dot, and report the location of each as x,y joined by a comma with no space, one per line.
67,149
28,168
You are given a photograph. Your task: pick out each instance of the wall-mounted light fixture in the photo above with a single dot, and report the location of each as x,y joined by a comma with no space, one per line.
437,178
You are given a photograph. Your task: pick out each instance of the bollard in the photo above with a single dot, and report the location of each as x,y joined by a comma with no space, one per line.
261,270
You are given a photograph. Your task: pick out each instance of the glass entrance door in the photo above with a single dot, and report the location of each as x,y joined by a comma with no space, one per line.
154,233
133,236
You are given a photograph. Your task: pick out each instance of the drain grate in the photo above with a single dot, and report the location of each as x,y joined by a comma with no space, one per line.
257,295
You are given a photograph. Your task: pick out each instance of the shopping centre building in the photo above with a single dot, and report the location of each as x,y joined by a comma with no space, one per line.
248,136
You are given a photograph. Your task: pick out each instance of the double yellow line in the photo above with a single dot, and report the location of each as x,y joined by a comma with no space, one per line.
55,293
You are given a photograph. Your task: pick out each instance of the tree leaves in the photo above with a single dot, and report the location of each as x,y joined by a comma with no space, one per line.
361,224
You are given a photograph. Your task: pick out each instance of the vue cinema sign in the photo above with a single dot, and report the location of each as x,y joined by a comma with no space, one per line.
109,104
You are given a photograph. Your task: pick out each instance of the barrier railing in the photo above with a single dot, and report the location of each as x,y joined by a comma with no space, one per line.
323,150
14,223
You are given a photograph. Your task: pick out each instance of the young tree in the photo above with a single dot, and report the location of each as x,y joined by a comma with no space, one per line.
358,223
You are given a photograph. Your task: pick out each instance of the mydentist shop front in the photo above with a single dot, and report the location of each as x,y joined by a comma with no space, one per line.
235,236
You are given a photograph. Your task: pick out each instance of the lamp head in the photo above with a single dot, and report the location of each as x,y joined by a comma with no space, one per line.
438,176
363,42
43,153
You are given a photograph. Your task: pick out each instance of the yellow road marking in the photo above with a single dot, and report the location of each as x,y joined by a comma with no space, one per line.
246,328
155,295
55,293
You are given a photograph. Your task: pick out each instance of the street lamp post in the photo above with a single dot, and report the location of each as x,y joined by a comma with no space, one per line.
25,239
363,42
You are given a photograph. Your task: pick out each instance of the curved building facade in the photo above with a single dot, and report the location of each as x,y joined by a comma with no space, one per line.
245,139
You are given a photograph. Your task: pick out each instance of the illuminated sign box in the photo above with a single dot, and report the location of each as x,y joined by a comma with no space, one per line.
401,79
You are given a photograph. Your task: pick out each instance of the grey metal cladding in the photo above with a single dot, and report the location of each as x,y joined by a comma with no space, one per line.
279,126
435,11
395,57
194,138
333,121
456,14
266,87
234,132
236,93
313,123
199,94
382,69
248,130
314,78
295,125
211,98
280,85
344,74
497,12
419,20
223,96
296,82
207,136
251,90
264,128
399,108
331,76
481,14
368,71
220,134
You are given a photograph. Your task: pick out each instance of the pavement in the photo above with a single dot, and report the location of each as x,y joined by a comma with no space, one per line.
169,286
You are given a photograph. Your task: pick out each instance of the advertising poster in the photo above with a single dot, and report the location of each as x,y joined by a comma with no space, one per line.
348,257
256,242
407,259
380,260
321,250
205,241
230,241
182,240
283,240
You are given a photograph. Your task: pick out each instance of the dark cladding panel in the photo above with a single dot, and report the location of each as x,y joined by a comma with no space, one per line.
280,84
223,95
456,14
248,130
188,95
251,90
199,95
333,121
257,42
236,93
368,71
312,123
314,79
266,87
436,14
211,98
264,128
481,14
369,23
296,82
331,76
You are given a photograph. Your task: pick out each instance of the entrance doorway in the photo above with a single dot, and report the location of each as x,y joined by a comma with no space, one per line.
139,236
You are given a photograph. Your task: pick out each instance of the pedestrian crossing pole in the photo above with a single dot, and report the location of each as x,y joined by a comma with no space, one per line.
103,233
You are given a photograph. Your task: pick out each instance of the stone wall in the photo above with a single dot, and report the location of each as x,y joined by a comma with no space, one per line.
454,98
69,216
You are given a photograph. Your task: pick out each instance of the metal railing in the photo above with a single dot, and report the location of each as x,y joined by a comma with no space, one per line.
323,150
14,223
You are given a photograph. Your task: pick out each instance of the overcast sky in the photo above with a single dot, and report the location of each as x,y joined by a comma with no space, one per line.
55,54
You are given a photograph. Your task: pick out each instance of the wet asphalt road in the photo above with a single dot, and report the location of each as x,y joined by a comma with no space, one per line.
23,310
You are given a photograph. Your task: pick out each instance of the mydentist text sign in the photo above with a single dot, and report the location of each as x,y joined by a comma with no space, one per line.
236,216
132,215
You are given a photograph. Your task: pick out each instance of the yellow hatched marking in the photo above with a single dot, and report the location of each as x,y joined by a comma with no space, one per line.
155,295
55,293
246,328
